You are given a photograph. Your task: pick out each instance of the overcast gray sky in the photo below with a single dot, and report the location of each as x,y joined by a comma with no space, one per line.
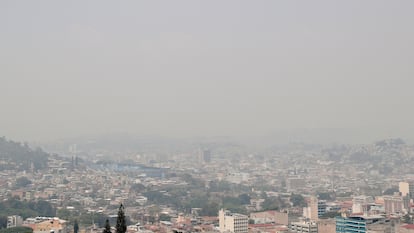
194,68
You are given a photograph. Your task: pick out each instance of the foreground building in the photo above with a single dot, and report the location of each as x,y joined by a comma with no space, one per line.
14,221
303,227
364,224
232,222
393,204
311,212
326,225
271,216
47,225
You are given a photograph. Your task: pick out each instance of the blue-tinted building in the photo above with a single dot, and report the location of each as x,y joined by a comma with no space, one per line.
321,207
356,224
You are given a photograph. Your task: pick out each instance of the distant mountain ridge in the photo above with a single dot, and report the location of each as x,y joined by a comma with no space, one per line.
20,157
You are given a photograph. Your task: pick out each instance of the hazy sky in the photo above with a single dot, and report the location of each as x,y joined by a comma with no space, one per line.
194,68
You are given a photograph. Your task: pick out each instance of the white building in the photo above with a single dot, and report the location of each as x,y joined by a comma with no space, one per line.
303,227
47,225
360,204
232,222
14,221
393,204
311,211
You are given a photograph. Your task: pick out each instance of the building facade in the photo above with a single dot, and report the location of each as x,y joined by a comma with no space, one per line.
360,204
393,204
311,212
303,227
14,221
321,207
404,188
233,222
273,217
356,224
327,226
47,225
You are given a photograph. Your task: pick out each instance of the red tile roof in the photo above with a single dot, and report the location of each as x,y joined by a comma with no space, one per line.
408,226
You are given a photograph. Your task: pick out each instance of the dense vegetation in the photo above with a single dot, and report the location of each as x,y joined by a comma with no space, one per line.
210,198
17,230
21,157
213,196
87,218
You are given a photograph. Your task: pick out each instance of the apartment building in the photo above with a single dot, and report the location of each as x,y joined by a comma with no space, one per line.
233,222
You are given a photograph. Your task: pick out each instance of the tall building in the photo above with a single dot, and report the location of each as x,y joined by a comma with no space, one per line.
411,189
360,204
206,156
393,204
232,222
14,221
322,207
311,212
362,224
404,188
407,204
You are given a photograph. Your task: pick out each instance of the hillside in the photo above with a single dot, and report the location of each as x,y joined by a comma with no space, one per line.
18,156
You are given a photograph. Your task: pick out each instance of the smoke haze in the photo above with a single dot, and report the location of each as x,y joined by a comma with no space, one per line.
206,68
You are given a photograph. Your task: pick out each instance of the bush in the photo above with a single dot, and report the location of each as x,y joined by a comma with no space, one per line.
17,230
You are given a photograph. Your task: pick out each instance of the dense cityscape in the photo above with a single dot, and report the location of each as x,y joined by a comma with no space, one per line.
294,188
208,116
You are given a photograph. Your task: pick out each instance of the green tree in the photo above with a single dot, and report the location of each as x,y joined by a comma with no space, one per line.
137,188
298,200
17,230
210,209
3,222
22,182
120,221
329,196
76,226
331,215
64,214
44,208
407,219
391,191
273,203
244,199
233,204
107,227
97,218
164,217
26,209
154,210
